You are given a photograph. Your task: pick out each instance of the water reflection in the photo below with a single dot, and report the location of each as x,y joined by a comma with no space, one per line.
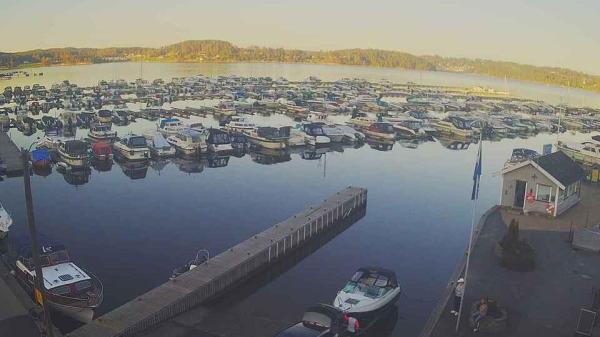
102,165
189,165
455,144
75,177
215,161
269,156
134,169
380,145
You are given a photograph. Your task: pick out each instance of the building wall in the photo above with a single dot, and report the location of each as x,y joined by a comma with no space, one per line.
532,177
570,201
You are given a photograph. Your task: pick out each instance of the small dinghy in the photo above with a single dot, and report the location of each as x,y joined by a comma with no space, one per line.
202,256
369,293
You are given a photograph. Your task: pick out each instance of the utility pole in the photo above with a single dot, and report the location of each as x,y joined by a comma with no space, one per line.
39,292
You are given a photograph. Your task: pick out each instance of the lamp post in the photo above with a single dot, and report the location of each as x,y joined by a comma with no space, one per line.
39,291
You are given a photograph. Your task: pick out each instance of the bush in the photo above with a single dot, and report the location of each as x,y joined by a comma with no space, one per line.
515,253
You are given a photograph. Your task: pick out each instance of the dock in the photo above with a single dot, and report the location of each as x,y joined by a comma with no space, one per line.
229,269
11,163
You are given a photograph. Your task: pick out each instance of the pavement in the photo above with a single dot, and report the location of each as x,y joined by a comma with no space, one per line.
543,302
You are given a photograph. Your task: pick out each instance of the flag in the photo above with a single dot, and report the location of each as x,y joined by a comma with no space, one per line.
477,174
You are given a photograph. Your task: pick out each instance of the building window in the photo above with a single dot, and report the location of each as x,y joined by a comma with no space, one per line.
544,193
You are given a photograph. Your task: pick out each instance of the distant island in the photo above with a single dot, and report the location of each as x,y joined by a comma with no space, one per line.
222,51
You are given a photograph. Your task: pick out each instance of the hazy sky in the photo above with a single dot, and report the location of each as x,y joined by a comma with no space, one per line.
541,32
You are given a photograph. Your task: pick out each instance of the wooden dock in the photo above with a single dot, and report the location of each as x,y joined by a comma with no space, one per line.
228,269
11,163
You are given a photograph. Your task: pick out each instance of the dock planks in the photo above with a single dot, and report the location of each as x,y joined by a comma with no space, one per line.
10,157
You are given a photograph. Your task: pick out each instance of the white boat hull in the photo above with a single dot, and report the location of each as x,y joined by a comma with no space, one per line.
84,315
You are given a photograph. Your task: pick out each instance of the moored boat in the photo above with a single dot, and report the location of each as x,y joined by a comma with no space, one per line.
74,153
370,292
269,137
169,126
160,147
457,126
188,142
101,131
69,289
102,151
381,130
132,147
586,152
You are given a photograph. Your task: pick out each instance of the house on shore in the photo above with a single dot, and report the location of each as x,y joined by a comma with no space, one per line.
549,184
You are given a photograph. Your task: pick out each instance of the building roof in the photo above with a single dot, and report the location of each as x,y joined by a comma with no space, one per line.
557,166
561,167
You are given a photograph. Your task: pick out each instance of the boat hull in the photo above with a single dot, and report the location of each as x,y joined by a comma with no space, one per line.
380,135
73,161
378,310
84,315
579,156
268,144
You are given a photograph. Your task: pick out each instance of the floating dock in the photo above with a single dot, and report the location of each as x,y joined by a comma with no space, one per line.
11,163
227,269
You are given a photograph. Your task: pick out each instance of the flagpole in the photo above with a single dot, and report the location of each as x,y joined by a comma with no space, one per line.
475,202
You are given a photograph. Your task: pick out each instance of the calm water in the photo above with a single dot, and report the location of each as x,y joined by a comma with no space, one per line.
86,75
133,232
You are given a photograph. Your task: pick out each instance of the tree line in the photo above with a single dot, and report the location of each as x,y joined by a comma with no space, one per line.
222,51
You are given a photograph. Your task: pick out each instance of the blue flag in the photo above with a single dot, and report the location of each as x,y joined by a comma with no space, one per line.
477,174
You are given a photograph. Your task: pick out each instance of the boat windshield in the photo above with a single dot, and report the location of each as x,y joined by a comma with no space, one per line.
137,142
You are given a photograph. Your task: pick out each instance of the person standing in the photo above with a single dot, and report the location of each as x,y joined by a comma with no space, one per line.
459,292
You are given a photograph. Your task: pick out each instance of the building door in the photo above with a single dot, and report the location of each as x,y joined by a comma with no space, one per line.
520,193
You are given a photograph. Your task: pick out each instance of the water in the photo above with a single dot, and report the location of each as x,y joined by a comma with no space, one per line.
133,232
86,75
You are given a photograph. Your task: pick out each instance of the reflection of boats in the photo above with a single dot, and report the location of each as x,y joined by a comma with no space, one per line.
75,176
74,153
586,152
132,147
202,256
102,165
215,161
135,169
454,144
370,291
269,156
269,137
105,116
314,153
69,289
188,165
381,130
379,144
188,142
238,140
5,222
218,141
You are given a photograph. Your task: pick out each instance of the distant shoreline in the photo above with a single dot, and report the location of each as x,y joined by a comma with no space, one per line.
215,51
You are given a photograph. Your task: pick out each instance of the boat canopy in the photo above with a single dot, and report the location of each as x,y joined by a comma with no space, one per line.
166,121
101,148
136,141
160,142
104,113
40,155
314,129
383,127
76,147
274,133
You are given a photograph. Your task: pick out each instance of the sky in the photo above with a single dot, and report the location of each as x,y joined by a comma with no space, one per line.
539,32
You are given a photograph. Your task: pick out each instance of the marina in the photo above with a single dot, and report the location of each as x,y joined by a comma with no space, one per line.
267,143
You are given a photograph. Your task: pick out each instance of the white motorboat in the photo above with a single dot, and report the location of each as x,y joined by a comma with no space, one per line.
315,135
169,126
586,152
5,222
132,147
188,142
102,132
371,291
239,124
361,120
75,153
69,289
351,135
269,137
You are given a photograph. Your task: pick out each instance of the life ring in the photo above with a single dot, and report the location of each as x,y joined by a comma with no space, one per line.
530,197
550,208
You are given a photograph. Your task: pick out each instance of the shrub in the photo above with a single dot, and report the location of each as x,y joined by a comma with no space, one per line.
515,253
